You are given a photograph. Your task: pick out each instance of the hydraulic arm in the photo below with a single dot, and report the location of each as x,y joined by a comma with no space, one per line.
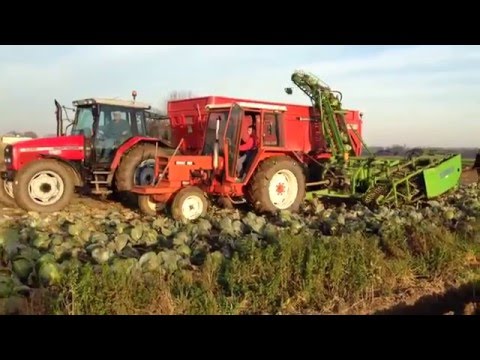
331,115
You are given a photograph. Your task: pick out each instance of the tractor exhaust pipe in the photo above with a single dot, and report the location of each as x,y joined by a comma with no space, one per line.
216,146
59,118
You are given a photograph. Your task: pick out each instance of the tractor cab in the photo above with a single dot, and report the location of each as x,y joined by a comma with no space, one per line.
106,124
238,130
237,137
159,126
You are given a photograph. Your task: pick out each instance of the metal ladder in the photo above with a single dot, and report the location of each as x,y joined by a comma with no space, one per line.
101,177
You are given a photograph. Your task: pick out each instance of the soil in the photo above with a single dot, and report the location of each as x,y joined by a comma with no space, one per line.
469,176
426,298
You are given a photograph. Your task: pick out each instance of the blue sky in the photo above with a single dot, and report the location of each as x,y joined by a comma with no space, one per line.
413,95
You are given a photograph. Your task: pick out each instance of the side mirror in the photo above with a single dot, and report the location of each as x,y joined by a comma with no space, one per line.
95,111
289,91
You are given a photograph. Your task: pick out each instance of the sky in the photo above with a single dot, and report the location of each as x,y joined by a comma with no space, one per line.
418,95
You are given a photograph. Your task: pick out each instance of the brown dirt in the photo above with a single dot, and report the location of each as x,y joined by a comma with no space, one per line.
469,176
426,298
462,300
79,202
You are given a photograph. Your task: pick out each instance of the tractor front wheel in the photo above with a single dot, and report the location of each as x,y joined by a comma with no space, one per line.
189,204
278,184
149,207
6,193
43,186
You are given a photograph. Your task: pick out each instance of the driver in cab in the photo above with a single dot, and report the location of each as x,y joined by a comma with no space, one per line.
117,128
245,148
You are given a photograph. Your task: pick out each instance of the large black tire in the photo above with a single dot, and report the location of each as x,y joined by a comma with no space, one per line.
283,175
125,174
6,195
24,192
196,198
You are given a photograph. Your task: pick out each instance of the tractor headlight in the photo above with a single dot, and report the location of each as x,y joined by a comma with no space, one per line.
8,155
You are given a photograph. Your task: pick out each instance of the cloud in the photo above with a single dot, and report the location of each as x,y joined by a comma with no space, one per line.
410,94
419,95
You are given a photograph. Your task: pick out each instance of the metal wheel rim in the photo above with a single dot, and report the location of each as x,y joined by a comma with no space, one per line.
46,188
283,189
192,207
144,173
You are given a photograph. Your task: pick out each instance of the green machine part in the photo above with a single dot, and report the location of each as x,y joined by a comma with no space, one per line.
372,180
443,177
422,178
394,182
332,117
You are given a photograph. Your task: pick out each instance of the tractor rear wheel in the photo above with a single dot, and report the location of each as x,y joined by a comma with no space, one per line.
189,204
6,193
278,184
136,168
43,186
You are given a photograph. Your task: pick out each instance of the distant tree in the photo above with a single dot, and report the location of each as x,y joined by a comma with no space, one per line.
175,95
30,134
397,150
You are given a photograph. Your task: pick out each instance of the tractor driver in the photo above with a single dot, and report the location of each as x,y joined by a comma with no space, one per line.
245,148
117,128
112,135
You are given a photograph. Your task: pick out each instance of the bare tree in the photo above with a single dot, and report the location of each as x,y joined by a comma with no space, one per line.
30,134
175,95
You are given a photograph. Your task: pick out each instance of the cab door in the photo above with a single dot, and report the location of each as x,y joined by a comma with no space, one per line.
232,141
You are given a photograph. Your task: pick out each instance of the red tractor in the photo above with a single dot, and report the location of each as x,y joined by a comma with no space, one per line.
270,175
108,149
41,174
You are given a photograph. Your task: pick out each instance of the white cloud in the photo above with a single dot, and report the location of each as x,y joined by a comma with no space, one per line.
421,95
414,95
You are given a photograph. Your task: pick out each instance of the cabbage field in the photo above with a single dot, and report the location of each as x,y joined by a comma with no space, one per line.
101,258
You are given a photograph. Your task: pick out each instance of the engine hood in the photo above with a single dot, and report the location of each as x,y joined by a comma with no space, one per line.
47,144
66,148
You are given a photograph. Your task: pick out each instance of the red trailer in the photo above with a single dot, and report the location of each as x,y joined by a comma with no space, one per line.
188,120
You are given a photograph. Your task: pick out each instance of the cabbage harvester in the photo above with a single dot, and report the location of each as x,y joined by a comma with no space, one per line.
372,180
296,157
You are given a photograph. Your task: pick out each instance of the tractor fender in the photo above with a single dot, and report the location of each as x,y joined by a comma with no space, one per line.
262,156
76,176
130,144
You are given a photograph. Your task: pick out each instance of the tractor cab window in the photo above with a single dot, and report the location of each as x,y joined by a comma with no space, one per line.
248,142
160,129
232,136
114,128
115,123
210,134
84,122
271,129
140,123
